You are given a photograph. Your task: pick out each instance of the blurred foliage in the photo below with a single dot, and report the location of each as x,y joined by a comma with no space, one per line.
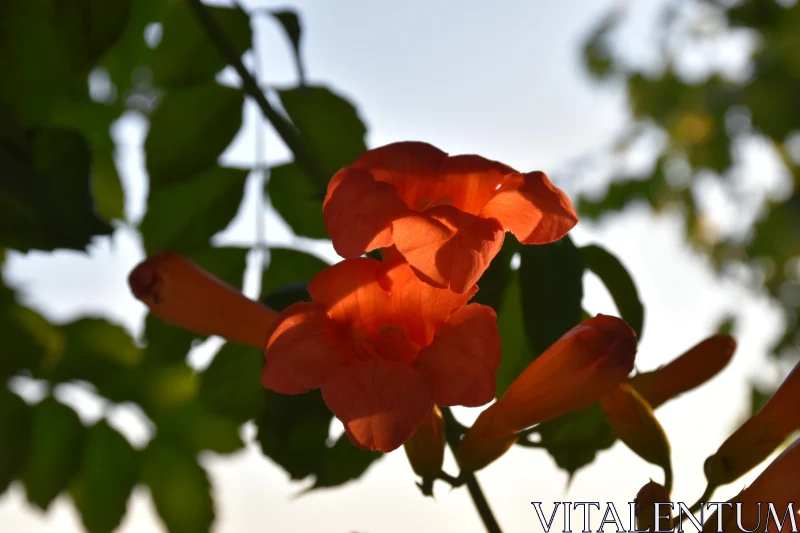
71,71
706,111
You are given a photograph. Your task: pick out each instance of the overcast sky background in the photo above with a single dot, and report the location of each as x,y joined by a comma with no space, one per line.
504,82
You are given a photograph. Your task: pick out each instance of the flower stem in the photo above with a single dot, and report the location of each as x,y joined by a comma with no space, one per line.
453,430
282,125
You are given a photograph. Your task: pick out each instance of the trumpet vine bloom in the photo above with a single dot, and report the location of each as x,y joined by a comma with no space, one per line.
688,371
778,485
425,450
447,215
181,293
759,436
584,365
383,346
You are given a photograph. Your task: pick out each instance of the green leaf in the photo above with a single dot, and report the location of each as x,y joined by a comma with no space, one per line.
616,278
94,350
45,194
329,125
37,60
186,55
56,450
110,472
287,266
15,429
231,385
190,129
517,353
179,487
290,23
493,282
344,462
297,200
183,216
197,428
282,298
293,430
551,282
28,337
574,439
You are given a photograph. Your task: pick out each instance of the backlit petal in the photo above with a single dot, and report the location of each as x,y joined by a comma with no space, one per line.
381,404
448,247
532,208
302,350
358,212
462,361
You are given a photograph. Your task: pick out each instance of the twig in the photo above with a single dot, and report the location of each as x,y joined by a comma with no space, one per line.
282,126
453,430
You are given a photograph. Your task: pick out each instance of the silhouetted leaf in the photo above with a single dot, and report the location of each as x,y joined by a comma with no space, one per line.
231,385
619,283
517,353
179,487
56,449
197,428
287,266
290,23
551,281
293,430
110,471
297,200
329,125
574,439
45,194
344,462
189,130
186,55
15,429
492,285
183,216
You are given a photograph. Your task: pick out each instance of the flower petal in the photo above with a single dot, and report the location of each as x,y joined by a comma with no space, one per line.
369,294
462,361
589,361
358,212
380,403
302,350
425,176
448,247
181,293
532,208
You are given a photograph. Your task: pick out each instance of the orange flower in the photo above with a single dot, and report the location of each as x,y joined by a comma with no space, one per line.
778,484
179,292
646,519
688,371
759,436
587,363
425,450
383,346
446,215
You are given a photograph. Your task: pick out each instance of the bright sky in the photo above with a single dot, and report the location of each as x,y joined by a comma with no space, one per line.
505,83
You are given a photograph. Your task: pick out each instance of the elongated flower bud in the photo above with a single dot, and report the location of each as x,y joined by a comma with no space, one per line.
688,371
588,362
181,293
425,450
759,436
648,515
634,423
778,485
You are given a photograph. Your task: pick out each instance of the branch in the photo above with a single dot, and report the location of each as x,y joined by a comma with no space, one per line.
453,432
282,126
